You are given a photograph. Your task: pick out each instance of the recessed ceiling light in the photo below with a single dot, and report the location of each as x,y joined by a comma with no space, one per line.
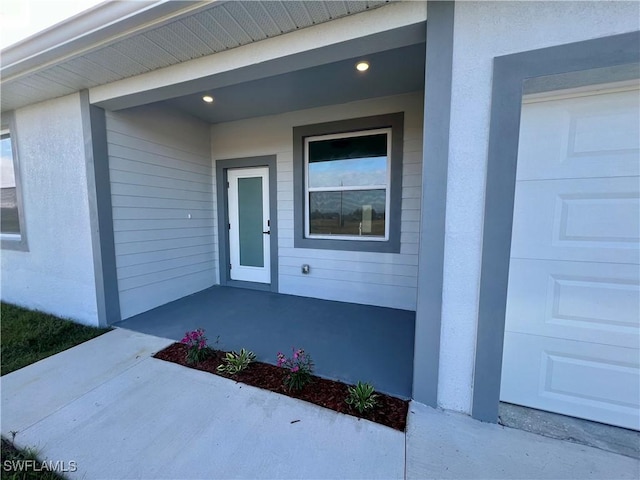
208,98
362,66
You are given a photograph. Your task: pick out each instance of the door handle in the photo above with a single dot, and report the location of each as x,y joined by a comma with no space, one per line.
268,232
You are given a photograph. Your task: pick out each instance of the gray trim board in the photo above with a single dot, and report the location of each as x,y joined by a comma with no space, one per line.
435,160
393,120
509,75
550,83
94,130
9,121
222,166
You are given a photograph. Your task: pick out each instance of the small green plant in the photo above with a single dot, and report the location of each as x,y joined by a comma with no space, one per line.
196,342
361,397
300,368
236,362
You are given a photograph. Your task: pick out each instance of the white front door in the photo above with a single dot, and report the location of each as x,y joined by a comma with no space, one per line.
573,307
249,226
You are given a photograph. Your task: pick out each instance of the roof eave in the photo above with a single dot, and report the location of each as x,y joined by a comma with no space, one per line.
106,22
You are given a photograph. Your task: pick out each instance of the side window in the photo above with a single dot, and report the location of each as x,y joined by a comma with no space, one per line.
348,184
12,228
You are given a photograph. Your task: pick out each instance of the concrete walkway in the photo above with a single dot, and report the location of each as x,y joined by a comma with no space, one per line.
118,413
451,445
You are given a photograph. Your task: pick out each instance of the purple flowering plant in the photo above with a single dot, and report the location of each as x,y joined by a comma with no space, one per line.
196,342
299,368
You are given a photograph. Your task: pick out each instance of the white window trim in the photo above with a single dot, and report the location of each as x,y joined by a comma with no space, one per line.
14,241
386,188
14,237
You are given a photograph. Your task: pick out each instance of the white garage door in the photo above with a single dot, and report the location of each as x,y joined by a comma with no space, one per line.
572,342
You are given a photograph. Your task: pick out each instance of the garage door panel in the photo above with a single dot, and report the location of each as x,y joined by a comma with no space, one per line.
572,331
593,136
592,302
549,373
594,220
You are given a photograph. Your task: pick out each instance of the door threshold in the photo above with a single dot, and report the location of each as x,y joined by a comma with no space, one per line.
265,287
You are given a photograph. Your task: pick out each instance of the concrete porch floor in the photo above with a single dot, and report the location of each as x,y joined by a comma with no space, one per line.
347,341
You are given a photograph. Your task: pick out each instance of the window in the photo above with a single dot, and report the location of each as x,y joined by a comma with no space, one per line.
348,183
11,220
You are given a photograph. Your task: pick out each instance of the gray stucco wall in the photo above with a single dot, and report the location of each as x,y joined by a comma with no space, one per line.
56,274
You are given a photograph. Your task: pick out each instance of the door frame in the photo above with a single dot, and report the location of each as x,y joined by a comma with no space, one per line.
535,71
222,168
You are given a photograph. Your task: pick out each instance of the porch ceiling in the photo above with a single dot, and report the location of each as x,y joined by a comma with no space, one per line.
392,72
117,40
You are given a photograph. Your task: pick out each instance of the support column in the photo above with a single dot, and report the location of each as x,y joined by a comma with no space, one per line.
101,215
435,159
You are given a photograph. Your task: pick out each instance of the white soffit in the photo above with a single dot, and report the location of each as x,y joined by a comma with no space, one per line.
179,32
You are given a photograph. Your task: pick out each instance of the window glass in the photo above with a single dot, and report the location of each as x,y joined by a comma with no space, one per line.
355,161
9,218
359,212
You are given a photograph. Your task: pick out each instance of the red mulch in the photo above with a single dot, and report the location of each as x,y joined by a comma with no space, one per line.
390,411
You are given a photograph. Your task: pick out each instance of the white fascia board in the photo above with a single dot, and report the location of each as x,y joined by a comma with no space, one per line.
88,31
380,20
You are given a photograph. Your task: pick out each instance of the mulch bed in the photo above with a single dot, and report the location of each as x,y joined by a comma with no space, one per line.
390,411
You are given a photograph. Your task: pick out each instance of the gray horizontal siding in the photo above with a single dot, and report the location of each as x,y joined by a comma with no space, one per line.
134,190
158,256
357,268
143,275
164,234
161,173
362,277
150,203
146,297
156,155
126,164
393,296
148,179
136,213
153,224
162,245
371,278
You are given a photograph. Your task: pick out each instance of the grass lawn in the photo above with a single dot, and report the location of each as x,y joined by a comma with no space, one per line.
27,336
